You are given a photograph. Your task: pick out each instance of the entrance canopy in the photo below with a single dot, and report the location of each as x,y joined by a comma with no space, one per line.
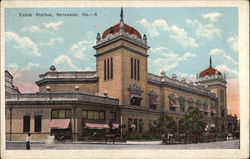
96,126
59,123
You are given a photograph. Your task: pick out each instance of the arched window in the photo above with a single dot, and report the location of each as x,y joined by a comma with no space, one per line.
182,102
172,102
190,103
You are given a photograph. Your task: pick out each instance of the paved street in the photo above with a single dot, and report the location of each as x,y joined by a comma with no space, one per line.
231,144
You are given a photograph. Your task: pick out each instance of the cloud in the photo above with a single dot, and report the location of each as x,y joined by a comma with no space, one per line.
53,25
17,71
155,27
33,29
88,69
176,33
181,36
208,31
47,27
51,42
234,43
78,50
213,17
65,61
167,60
24,44
220,52
226,69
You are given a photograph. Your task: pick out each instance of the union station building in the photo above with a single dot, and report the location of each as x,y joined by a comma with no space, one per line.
119,92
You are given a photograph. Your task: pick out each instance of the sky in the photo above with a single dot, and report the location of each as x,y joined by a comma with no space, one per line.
181,40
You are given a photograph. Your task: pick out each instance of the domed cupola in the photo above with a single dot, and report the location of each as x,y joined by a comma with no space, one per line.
119,30
210,73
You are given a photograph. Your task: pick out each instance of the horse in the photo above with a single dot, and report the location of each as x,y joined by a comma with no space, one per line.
110,136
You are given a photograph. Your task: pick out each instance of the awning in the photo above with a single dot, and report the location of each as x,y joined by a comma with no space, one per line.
132,95
213,111
173,103
153,100
206,109
96,126
59,123
115,126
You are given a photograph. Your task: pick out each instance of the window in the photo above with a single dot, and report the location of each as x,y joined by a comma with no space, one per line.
130,122
113,116
96,115
111,69
212,114
38,123
68,113
140,125
135,101
135,68
105,73
60,113
138,70
136,124
108,69
84,114
222,113
54,114
90,115
132,68
102,115
222,96
26,123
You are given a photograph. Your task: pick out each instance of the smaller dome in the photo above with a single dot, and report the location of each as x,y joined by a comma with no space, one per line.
209,71
52,68
163,73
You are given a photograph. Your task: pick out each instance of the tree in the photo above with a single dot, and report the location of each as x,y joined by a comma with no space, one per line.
193,121
166,122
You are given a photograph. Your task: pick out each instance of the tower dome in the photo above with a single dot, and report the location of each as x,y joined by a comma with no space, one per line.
121,25
209,71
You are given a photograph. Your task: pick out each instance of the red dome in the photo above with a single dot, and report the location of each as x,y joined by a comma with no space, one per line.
209,71
116,28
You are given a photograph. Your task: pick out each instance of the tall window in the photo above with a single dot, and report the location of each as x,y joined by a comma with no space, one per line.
105,69
113,116
136,124
135,68
222,96
108,69
140,125
26,123
38,123
130,122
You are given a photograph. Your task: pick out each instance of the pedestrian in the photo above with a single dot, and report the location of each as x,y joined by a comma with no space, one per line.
28,139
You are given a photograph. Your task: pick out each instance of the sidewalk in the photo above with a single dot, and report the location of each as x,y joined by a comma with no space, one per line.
93,142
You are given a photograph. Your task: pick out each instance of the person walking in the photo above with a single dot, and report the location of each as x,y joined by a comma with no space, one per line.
28,139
